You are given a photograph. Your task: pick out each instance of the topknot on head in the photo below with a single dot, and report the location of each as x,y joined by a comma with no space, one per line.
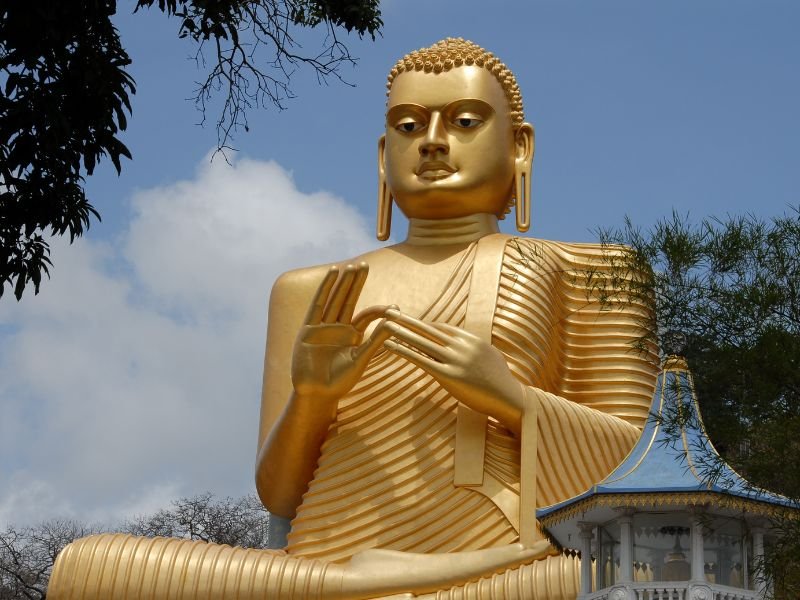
451,53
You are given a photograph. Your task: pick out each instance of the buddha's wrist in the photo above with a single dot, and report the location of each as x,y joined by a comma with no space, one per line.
316,407
514,406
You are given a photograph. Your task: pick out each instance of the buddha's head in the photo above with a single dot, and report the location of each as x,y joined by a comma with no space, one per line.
455,141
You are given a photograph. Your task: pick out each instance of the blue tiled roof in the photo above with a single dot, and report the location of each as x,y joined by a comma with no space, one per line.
673,458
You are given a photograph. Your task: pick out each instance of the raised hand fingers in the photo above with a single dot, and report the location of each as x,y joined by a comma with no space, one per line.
349,306
338,295
317,308
344,294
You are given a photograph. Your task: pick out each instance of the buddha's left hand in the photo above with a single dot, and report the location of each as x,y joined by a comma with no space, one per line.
473,371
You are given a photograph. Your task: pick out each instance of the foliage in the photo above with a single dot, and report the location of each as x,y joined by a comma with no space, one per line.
726,294
64,95
27,554
63,101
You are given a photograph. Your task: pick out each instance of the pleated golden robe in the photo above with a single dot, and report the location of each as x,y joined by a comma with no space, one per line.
385,477
385,474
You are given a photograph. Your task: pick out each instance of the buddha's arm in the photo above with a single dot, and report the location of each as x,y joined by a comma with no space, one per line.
287,459
328,355
290,430
576,445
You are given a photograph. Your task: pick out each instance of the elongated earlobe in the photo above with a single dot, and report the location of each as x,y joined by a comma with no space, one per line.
523,163
384,228
522,184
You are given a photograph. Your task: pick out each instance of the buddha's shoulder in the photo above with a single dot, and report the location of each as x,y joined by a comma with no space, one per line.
580,252
298,285
305,281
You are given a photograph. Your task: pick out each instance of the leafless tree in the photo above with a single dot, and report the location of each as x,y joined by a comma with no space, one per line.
250,48
27,555
240,522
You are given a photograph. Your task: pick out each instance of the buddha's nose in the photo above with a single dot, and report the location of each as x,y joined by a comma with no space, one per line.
435,139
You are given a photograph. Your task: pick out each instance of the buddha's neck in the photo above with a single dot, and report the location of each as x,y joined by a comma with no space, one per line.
459,230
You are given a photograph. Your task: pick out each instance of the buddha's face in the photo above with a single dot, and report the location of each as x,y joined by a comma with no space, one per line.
449,148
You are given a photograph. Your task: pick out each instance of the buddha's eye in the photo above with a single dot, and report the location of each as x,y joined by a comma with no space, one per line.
467,121
409,126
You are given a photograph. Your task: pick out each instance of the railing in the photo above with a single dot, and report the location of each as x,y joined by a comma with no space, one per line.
661,592
671,591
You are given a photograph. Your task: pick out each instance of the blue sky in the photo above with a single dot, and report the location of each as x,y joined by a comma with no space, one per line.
134,376
639,107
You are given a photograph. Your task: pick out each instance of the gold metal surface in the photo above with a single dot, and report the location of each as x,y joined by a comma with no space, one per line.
420,401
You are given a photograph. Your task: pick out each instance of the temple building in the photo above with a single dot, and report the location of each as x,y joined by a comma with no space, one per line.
673,520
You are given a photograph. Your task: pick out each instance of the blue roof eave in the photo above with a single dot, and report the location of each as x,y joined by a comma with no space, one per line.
660,464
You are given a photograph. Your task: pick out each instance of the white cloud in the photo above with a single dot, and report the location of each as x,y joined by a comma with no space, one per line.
134,376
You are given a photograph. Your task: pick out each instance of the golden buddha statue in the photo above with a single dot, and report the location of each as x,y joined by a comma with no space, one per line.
420,401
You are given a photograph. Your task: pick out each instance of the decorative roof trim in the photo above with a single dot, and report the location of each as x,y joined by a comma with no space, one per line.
715,499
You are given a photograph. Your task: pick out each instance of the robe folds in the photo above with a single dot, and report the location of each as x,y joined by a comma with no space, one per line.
386,472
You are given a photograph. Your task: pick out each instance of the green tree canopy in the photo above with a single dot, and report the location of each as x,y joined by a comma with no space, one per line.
65,95
726,294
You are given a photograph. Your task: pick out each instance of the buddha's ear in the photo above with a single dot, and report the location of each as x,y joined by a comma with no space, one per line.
381,153
523,159
384,227
524,142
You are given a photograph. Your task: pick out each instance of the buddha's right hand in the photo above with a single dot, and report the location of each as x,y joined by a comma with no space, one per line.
330,352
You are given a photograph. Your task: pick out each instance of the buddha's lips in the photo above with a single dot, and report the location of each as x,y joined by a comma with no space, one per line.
435,169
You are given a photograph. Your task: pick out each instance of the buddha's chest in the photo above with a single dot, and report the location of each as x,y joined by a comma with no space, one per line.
413,285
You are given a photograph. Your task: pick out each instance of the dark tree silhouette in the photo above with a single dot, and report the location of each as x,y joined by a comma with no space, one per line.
727,291
65,94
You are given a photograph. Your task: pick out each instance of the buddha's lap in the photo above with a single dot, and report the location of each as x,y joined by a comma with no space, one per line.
117,565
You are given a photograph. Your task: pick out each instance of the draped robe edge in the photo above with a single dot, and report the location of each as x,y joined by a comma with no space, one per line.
576,446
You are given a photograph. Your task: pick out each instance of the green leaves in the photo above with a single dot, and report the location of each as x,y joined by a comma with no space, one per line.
723,280
363,16
66,95
203,19
63,105
731,289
